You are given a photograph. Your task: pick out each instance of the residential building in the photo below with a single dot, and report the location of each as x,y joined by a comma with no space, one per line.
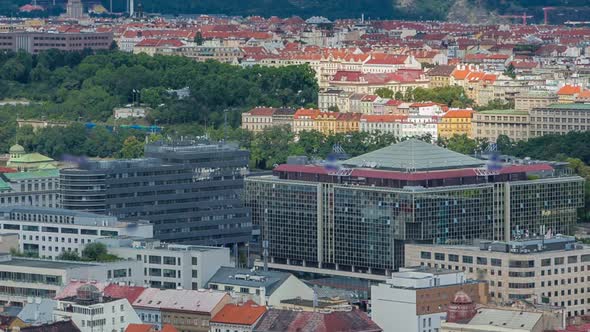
91,311
237,317
328,98
325,122
33,188
150,328
267,288
358,82
409,191
257,119
390,124
304,120
308,321
35,42
49,232
568,93
221,53
420,297
283,117
420,126
498,320
188,190
64,325
455,122
491,124
75,9
525,102
560,119
440,76
171,266
27,277
541,269
186,310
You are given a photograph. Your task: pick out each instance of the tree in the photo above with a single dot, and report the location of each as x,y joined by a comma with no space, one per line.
462,144
132,148
504,144
199,38
333,108
399,95
69,256
97,252
384,93
510,71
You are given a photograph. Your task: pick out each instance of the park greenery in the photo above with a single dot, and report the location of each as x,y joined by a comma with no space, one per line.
92,252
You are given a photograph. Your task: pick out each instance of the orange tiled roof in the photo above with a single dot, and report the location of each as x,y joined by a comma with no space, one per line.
246,314
306,112
458,114
569,90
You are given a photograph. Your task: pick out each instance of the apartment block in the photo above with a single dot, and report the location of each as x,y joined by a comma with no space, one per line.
560,119
541,269
491,124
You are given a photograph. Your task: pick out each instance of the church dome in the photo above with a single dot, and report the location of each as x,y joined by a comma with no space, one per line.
16,149
461,308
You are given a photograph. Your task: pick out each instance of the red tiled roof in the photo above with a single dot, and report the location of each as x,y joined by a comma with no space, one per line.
569,90
417,176
459,114
305,112
140,328
383,118
131,293
246,314
262,111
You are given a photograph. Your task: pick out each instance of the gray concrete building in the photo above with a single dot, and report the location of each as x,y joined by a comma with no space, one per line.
189,191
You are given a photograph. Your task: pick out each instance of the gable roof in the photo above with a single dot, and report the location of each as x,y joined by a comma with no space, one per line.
180,299
569,90
276,320
61,326
246,314
414,155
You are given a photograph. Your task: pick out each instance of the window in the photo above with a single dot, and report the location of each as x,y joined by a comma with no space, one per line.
521,264
572,259
439,256
425,255
482,261
155,260
468,259
194,260
244,290
195,274
546,262
169,260
453,258
558,261
228,288
496,262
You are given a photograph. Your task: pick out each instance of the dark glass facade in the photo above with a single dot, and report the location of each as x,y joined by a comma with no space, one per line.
190,192
352,227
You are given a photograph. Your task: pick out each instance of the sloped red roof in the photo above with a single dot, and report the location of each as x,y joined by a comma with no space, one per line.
459,114
569,90
293,321
123,292
383,118
246,314
262,111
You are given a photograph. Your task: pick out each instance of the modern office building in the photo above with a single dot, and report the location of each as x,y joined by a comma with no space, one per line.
35,42
189,191
170,266
420,298
48,232
550,270
560,119
525,102
26,278
353,219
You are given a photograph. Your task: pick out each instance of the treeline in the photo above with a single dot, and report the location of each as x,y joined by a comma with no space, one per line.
82,86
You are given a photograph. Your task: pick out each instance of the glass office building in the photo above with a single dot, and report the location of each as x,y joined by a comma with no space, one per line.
190,191
357,216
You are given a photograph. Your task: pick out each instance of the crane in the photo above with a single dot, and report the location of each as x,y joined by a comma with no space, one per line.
546,13
524,17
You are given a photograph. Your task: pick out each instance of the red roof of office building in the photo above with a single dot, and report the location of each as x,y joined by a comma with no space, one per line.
246,314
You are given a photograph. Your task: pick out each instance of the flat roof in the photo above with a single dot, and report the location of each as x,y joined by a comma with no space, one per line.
44,264
504,112
573,106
